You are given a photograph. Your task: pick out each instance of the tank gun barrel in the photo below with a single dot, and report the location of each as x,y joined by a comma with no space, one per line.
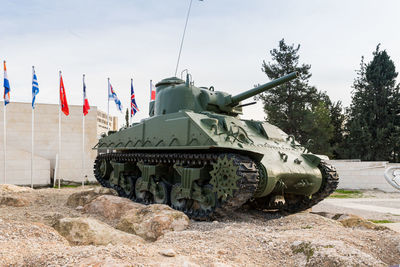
234,100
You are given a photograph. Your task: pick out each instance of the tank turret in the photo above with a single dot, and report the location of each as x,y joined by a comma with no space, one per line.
174,94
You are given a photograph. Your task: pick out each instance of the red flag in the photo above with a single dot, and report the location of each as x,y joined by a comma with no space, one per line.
153,91
63,98
86,106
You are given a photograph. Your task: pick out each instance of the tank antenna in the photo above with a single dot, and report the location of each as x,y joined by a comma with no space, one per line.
183,37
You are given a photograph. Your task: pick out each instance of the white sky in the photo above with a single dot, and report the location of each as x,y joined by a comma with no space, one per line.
225,44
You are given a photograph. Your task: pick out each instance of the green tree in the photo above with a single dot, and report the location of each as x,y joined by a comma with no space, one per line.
317,126
296,107
373,125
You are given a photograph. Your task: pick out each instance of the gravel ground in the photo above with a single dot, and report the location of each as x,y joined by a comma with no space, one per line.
246,238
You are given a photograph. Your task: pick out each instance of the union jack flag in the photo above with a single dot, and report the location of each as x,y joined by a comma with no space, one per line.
134,107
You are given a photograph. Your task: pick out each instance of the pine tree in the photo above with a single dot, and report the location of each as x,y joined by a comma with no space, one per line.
373,126
296,107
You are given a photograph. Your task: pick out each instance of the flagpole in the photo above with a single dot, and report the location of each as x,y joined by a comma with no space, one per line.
83,137
59,137
108,106
33,131
5,140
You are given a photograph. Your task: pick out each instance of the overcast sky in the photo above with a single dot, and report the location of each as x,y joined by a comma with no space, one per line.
226,42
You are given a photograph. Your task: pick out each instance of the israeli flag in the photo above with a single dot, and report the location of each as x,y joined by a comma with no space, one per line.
35,88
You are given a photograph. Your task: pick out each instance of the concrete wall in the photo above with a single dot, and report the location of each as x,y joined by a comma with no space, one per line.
363,175
46,141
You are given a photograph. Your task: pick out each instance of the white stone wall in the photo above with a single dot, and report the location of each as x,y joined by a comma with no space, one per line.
46,142
363,174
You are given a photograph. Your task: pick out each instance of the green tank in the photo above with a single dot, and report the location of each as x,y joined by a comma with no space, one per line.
195,154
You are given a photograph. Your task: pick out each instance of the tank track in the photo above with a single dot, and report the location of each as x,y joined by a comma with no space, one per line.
247,170
296,203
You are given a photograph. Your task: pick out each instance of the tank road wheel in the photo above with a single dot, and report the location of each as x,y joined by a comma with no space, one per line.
161,195
330,180
209,204
142,193
177,202
102,171
127,186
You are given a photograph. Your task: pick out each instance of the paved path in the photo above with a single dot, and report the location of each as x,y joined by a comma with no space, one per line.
383,205
373,206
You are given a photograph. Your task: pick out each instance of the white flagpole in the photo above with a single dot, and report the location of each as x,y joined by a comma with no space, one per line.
5,140
151,88
33,130
83,138
59,136
108,106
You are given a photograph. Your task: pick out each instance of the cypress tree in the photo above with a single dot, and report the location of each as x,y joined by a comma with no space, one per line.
373,126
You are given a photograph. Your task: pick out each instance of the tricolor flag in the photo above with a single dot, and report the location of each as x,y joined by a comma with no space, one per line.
63,98
113,96
6,86
134,107
35,87
86,106
152,91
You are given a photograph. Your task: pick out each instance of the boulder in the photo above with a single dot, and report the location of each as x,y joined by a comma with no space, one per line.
10,188
87,231
14,200
84,197
111,207
153,221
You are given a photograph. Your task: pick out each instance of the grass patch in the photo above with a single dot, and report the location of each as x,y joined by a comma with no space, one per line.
381,221
304,248
341,193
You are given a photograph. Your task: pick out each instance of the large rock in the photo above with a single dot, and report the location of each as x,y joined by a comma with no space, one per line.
14,200
153,221
111,207
87,231
84,197
10,188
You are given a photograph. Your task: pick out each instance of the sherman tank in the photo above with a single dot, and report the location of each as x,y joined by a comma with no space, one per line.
197,155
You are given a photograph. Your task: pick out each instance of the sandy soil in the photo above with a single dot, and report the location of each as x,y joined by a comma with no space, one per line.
246,238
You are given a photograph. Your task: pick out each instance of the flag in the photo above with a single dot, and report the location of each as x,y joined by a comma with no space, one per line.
63,98
134,107
35,88
152,91
113,96
6,87
86,106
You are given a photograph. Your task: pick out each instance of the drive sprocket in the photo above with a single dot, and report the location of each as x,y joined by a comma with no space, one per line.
224,177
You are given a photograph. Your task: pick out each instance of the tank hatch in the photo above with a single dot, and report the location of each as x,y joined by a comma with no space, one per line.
170,81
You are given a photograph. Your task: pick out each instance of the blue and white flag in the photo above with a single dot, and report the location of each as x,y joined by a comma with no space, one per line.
35,88
6,87
113,96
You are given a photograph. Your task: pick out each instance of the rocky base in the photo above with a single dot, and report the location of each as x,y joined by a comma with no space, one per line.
87,236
